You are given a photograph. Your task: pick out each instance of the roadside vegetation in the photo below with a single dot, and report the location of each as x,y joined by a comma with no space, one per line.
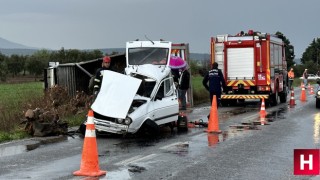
13,98
18,97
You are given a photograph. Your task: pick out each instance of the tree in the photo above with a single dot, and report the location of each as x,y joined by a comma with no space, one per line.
312,53
3,69
35,66
289,49
15,64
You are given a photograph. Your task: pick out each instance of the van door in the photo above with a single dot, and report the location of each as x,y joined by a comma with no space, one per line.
165,102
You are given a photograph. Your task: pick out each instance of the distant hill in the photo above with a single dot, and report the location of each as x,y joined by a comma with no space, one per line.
9,48
5,44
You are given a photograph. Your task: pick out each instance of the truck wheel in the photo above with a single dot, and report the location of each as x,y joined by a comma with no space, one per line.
283,96
274,99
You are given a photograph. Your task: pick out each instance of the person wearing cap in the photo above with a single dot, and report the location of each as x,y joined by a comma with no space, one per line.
291,78
106,61
305,77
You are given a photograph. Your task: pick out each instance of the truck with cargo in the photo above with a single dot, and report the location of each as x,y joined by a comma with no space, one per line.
254,66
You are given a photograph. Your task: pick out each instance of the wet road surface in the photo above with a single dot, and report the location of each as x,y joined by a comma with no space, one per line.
244,150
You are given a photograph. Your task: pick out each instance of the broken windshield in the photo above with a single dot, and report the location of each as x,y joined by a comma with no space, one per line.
148,55
147,85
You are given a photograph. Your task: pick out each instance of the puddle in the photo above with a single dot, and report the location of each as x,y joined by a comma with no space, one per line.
242,111
181,149
245,127
276,115
136,169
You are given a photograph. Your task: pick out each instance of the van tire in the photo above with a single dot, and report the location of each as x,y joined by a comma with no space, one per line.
150,127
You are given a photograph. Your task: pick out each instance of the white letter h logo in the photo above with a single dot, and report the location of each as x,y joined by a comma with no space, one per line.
303,162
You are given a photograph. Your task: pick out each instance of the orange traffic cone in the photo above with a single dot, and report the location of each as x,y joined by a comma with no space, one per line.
263,108
311,91
213,124
213,139
90,162
303,94
292,101
262,119
309,87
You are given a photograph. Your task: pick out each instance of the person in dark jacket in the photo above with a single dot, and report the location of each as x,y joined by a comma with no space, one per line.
106,61
184,83
216,82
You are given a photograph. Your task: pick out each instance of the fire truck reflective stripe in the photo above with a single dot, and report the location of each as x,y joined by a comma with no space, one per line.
244,82
268,77
244,96
90,133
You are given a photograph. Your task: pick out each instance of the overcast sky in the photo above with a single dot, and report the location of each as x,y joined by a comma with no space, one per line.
92,24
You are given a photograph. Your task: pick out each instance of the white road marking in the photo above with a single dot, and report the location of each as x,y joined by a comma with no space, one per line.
128,160
136,159
173,144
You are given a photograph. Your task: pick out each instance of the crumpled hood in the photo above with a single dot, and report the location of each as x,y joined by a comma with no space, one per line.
116,94
156,72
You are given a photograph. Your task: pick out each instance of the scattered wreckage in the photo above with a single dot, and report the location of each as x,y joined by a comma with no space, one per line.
40,123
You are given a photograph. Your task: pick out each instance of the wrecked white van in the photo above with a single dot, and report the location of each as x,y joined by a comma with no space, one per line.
145,97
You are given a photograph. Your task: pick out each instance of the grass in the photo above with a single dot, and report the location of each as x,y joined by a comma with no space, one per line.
14,95
17,98
13,99
200,94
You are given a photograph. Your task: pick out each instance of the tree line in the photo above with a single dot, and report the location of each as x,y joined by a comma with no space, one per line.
35,64
310,58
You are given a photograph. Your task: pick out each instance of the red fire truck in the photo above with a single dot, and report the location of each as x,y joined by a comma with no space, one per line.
254,66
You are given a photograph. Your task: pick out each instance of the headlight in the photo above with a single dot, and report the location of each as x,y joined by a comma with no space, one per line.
120,121
127,121
318,93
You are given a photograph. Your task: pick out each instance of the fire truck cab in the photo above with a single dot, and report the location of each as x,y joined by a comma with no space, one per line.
254,66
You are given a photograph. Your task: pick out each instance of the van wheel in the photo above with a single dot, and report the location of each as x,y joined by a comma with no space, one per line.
82,129
317,103
150,127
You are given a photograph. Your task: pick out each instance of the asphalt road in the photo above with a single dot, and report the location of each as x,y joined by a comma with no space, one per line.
241,151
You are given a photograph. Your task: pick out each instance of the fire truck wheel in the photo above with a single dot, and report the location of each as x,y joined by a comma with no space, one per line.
275,99
283,96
